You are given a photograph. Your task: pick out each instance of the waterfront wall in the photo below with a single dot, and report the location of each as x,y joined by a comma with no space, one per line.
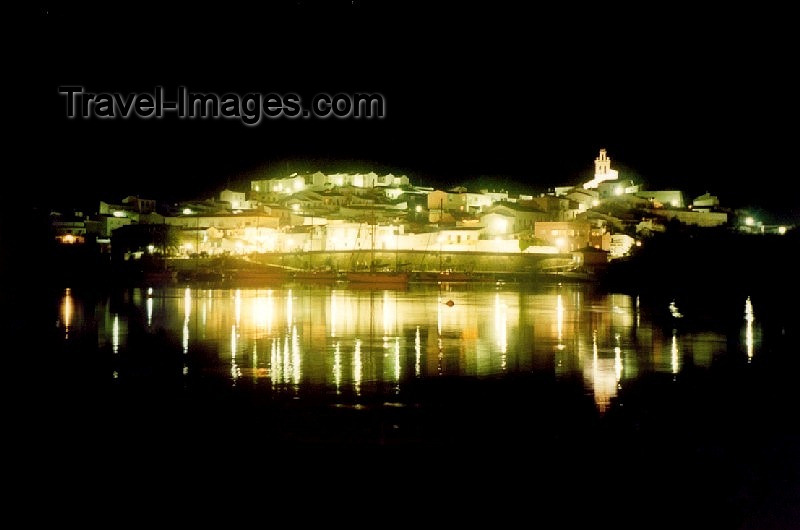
489,262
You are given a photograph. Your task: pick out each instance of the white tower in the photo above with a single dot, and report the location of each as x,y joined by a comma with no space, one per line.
602,171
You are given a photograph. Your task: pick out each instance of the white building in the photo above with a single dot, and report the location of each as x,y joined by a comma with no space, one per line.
510,218
620,245
288,185
586,199
695,218
705,201
237,199
617,188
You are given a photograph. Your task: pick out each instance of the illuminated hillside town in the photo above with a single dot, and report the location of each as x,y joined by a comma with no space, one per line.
341,218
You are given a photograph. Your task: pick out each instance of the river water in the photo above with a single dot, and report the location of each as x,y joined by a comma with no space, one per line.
687,399
350,342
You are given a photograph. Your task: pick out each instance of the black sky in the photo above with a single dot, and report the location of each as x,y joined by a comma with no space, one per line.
681,98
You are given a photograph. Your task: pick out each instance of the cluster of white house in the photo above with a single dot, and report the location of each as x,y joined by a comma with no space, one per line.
351,211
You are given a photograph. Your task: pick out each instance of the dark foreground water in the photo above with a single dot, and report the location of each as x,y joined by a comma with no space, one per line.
604,405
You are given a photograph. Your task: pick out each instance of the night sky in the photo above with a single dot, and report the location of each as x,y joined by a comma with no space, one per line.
688,99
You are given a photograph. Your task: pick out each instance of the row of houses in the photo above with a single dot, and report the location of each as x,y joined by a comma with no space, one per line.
349,211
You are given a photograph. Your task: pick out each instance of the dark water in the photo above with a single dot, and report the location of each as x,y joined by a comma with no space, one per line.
349,343
592,399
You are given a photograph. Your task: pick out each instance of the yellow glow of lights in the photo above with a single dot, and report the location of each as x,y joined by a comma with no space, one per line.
337,366
260,312
417,354
749,317
119,213
115,335
418,208
618,190
389,313
69,238
560,320
187,302
397,359
67,312
781,230
501,225
500,324
289,315
187,311
295,207
674,203
561,243
749,221
357,367
334,314
187,211
235,371
237,302
674,353
595,202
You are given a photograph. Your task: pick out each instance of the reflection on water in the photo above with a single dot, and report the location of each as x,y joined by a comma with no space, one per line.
749,317
355,341
66,312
